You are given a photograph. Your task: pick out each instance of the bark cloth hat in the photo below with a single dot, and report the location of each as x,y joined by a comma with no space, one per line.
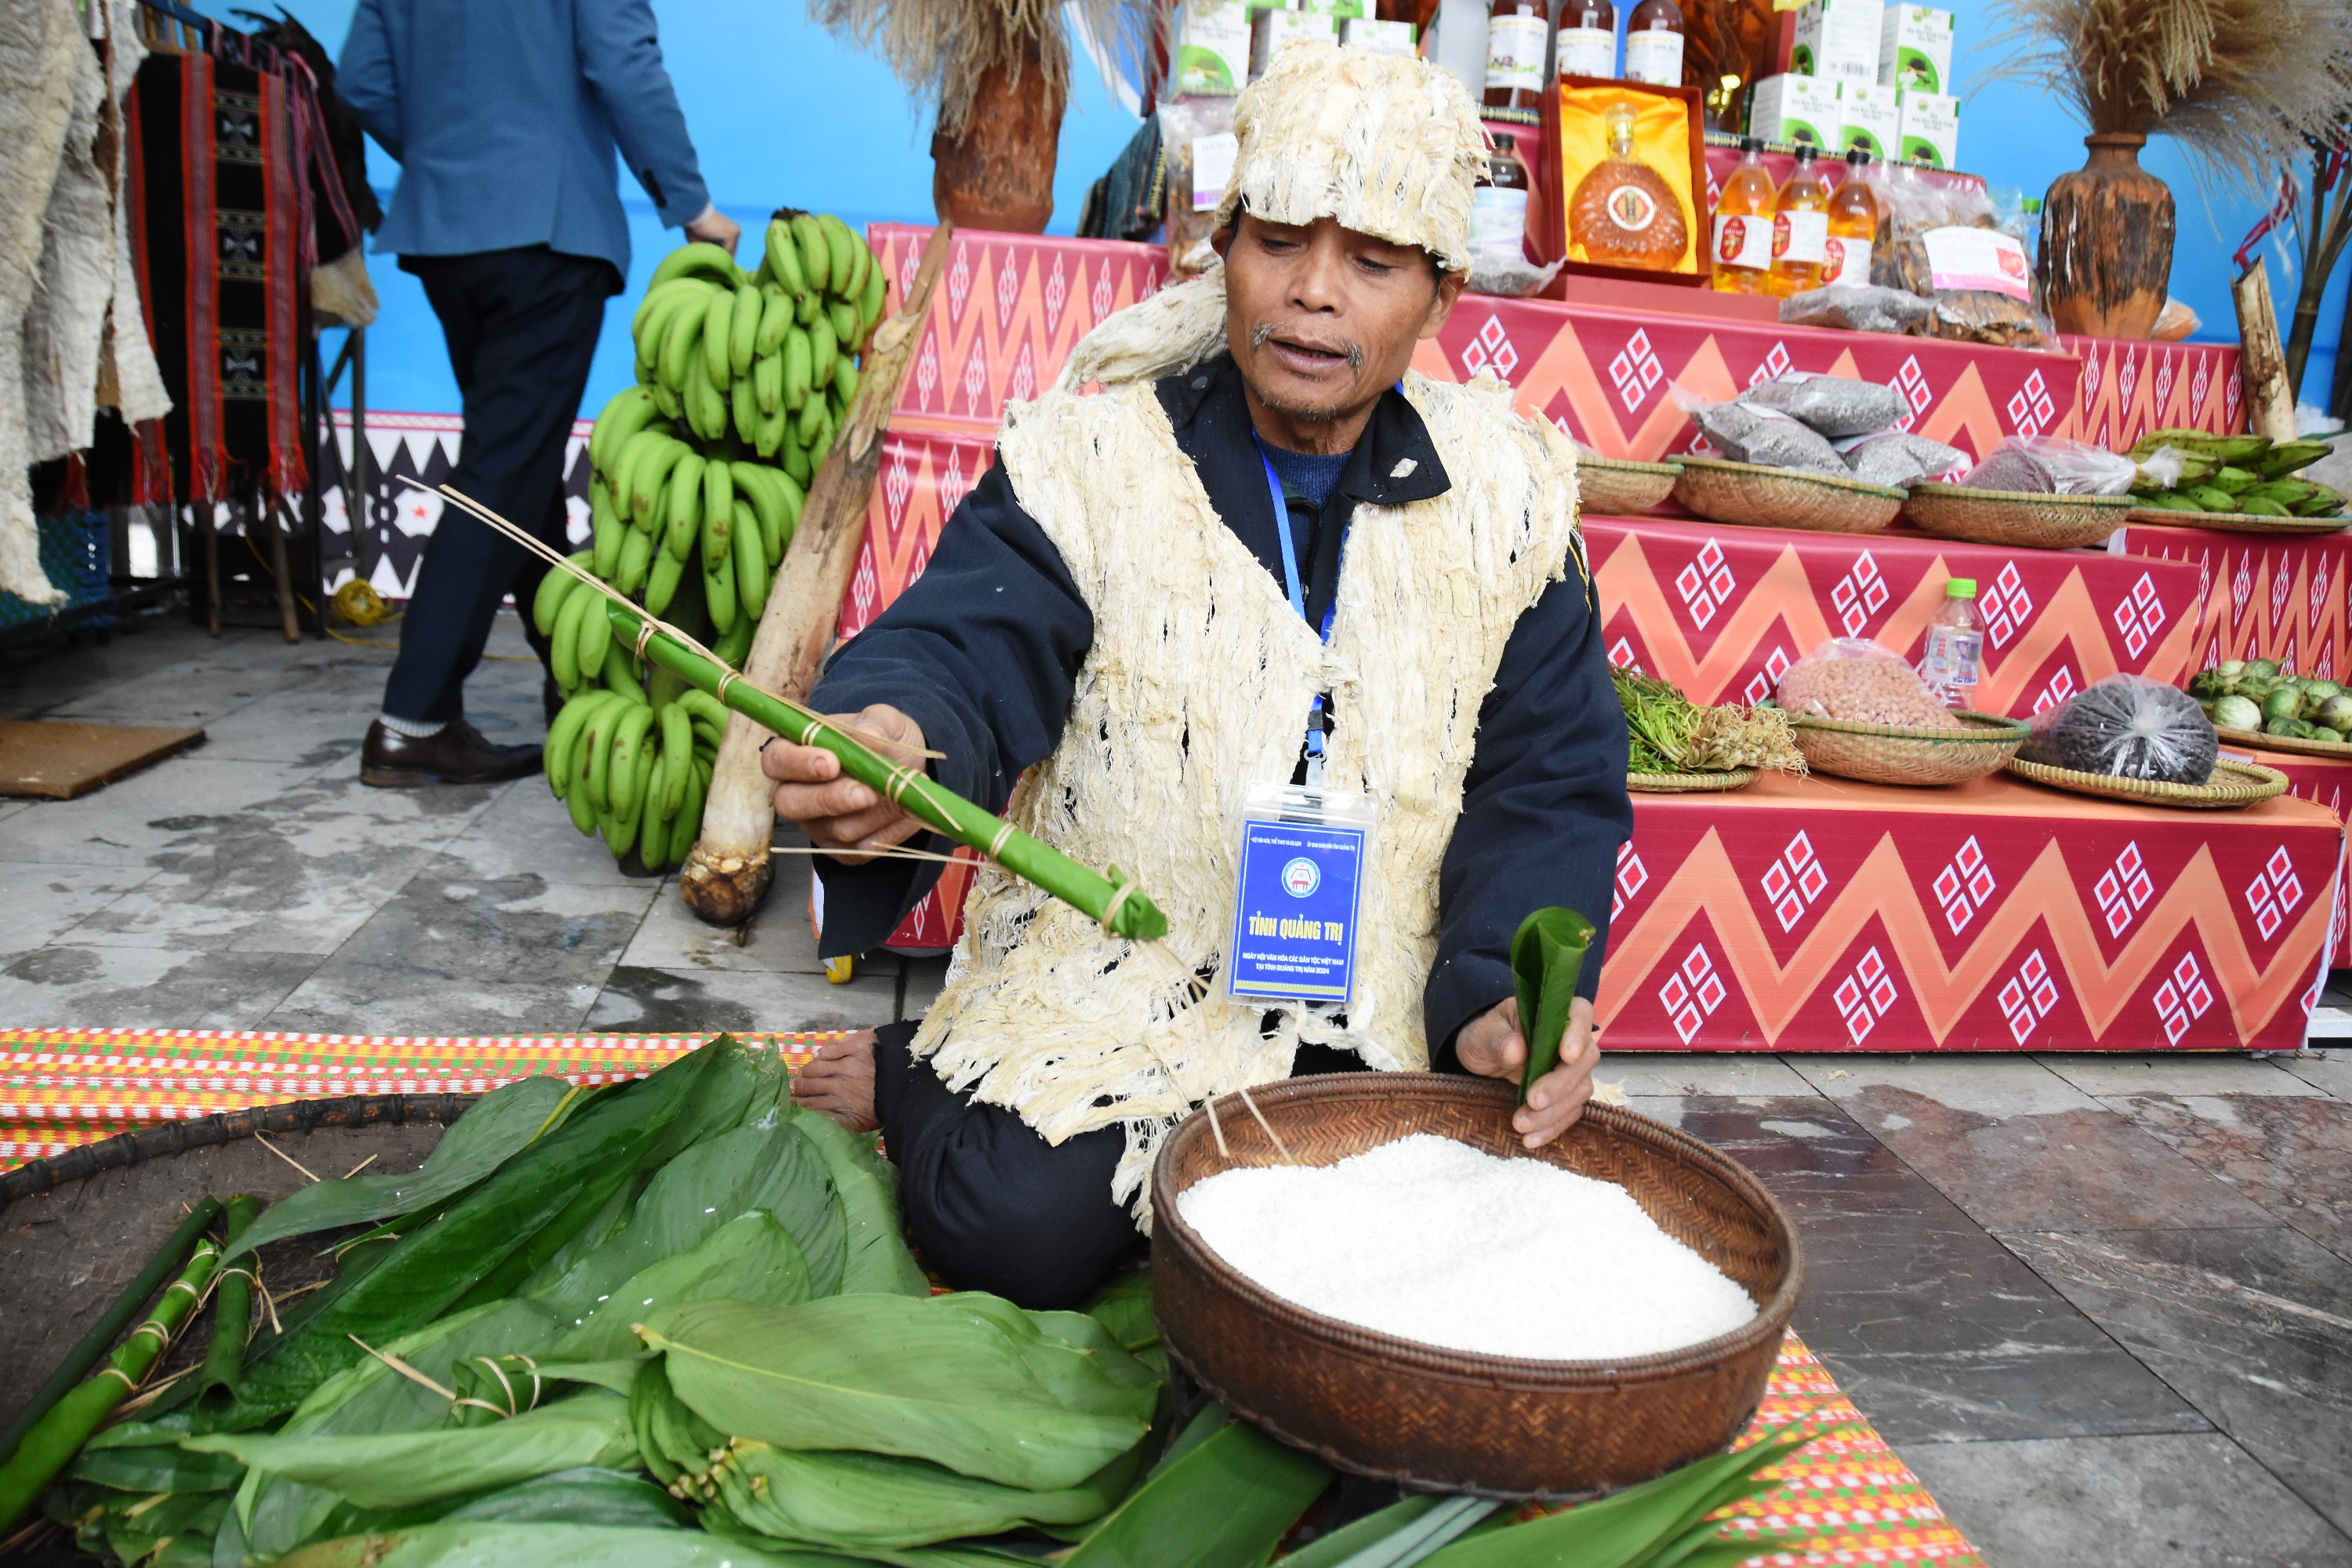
1386,144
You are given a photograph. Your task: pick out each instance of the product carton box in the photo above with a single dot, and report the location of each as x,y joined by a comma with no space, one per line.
1915,49
1380,38
1793,108
1273,29
1931,128
1869,117
1837,40
1213,50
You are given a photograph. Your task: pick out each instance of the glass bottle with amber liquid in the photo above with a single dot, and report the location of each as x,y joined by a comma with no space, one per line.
1653,42
1742,241
1853,225
1587,42
1800,226
1515,33
1623,213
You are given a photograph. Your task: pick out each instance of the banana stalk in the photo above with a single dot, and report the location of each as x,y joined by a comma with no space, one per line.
729,873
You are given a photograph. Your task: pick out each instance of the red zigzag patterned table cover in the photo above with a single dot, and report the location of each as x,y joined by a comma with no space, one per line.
2265,595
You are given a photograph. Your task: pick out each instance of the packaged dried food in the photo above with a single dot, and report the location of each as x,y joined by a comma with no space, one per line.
1944,243
1855,680
2126,726
1748,434
1899,458
1197,141
2049,465
1837,406
1849,308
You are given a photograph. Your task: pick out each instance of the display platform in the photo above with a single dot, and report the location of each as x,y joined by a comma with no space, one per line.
1819,914
2266,596
2324,781
2129,388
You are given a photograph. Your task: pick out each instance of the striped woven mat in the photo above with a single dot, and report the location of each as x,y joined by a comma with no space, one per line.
1846,1496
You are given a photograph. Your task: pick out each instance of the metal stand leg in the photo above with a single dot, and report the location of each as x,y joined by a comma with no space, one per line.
208,530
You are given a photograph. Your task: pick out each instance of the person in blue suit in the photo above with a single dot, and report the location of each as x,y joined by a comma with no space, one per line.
504,116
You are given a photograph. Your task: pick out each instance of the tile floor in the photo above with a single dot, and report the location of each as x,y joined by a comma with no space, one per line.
2103,1305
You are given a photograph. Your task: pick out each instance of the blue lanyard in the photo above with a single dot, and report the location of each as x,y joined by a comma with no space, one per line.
1297,589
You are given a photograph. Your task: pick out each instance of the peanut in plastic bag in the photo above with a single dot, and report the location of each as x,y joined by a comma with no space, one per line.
1857,680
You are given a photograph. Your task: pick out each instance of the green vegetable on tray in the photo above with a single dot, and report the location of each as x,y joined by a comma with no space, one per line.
2231,474
1668,733
2255,696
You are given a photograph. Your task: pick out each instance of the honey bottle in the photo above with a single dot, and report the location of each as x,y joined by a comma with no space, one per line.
1800,226
1623,213
1742,248
1588,38
1515,33
1853,224
1653,42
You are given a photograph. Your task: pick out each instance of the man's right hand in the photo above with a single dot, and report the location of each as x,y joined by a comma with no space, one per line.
846,819
714,228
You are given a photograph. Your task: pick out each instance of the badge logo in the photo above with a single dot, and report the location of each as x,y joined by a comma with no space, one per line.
1301,877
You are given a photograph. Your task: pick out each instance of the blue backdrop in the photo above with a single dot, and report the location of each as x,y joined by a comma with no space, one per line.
783,114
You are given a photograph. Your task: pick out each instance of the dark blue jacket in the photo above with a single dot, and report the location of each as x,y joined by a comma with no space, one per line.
504,115
983,651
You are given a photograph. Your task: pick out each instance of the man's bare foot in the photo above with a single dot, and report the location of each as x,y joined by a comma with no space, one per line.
840,1082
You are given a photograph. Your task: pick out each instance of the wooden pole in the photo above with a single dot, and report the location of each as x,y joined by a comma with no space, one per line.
2262,358
728,872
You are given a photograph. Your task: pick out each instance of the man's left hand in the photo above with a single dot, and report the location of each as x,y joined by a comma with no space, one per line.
1491,1046
714,228
839,1082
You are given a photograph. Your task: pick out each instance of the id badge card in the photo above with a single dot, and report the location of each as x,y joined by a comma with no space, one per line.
1303,852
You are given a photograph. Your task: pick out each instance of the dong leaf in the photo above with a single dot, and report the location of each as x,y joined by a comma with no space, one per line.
402,1469
765,1167
157,1468
481,1543
498,1126
890,1375
867,1186
748,1258
571,1172
1547,957
588,1495
1223,1505
1124,1307
863,1501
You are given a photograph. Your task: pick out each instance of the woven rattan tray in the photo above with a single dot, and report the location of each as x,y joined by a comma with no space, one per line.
1689,784
1761,497
2236,521
2235,785
1886,753
1432,1419
2341,751
1607,486
2015,518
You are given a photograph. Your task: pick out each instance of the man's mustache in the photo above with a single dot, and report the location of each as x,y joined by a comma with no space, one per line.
1355,352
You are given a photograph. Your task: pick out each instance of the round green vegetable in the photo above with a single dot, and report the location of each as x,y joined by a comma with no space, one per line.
2267,668
2237,713
2230,671
2322,732
2283,702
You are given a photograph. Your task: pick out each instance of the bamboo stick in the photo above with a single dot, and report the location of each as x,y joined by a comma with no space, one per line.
2261,362
1113,900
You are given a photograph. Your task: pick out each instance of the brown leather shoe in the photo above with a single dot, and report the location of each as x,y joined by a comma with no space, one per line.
457,754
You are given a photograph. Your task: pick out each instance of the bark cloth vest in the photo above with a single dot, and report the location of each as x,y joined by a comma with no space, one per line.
1197,685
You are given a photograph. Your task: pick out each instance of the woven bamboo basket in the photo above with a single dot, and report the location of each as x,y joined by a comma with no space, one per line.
2235,785
1611,486
2236,521
1689,784
1892,754
1761,497
1445,1420
2018,518
2340,750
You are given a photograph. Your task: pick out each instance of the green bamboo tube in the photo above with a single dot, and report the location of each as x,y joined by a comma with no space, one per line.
1110,900
108,1328
224,1366
58,1436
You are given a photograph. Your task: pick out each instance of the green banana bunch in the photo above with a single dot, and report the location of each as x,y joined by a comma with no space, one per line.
2235,474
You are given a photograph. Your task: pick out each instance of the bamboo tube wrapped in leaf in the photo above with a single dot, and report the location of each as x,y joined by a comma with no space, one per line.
232,1309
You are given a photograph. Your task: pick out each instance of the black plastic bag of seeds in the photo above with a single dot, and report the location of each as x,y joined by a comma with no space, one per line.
2130,727
1899,458
1765,435
1837,406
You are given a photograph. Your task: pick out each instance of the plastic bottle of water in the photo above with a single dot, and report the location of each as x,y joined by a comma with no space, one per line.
1955,646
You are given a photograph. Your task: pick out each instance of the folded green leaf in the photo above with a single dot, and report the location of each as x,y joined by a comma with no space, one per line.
402,1468
588,1495
1626,1529
1223,1505
748,1258
157,1468
877,1261
435,1267
1374,1530
1124,1307
1547,958
857,1501
498,1126
479,1543
894,1375
1397,1536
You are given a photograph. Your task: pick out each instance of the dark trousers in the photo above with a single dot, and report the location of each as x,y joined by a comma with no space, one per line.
521,327
992,1205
